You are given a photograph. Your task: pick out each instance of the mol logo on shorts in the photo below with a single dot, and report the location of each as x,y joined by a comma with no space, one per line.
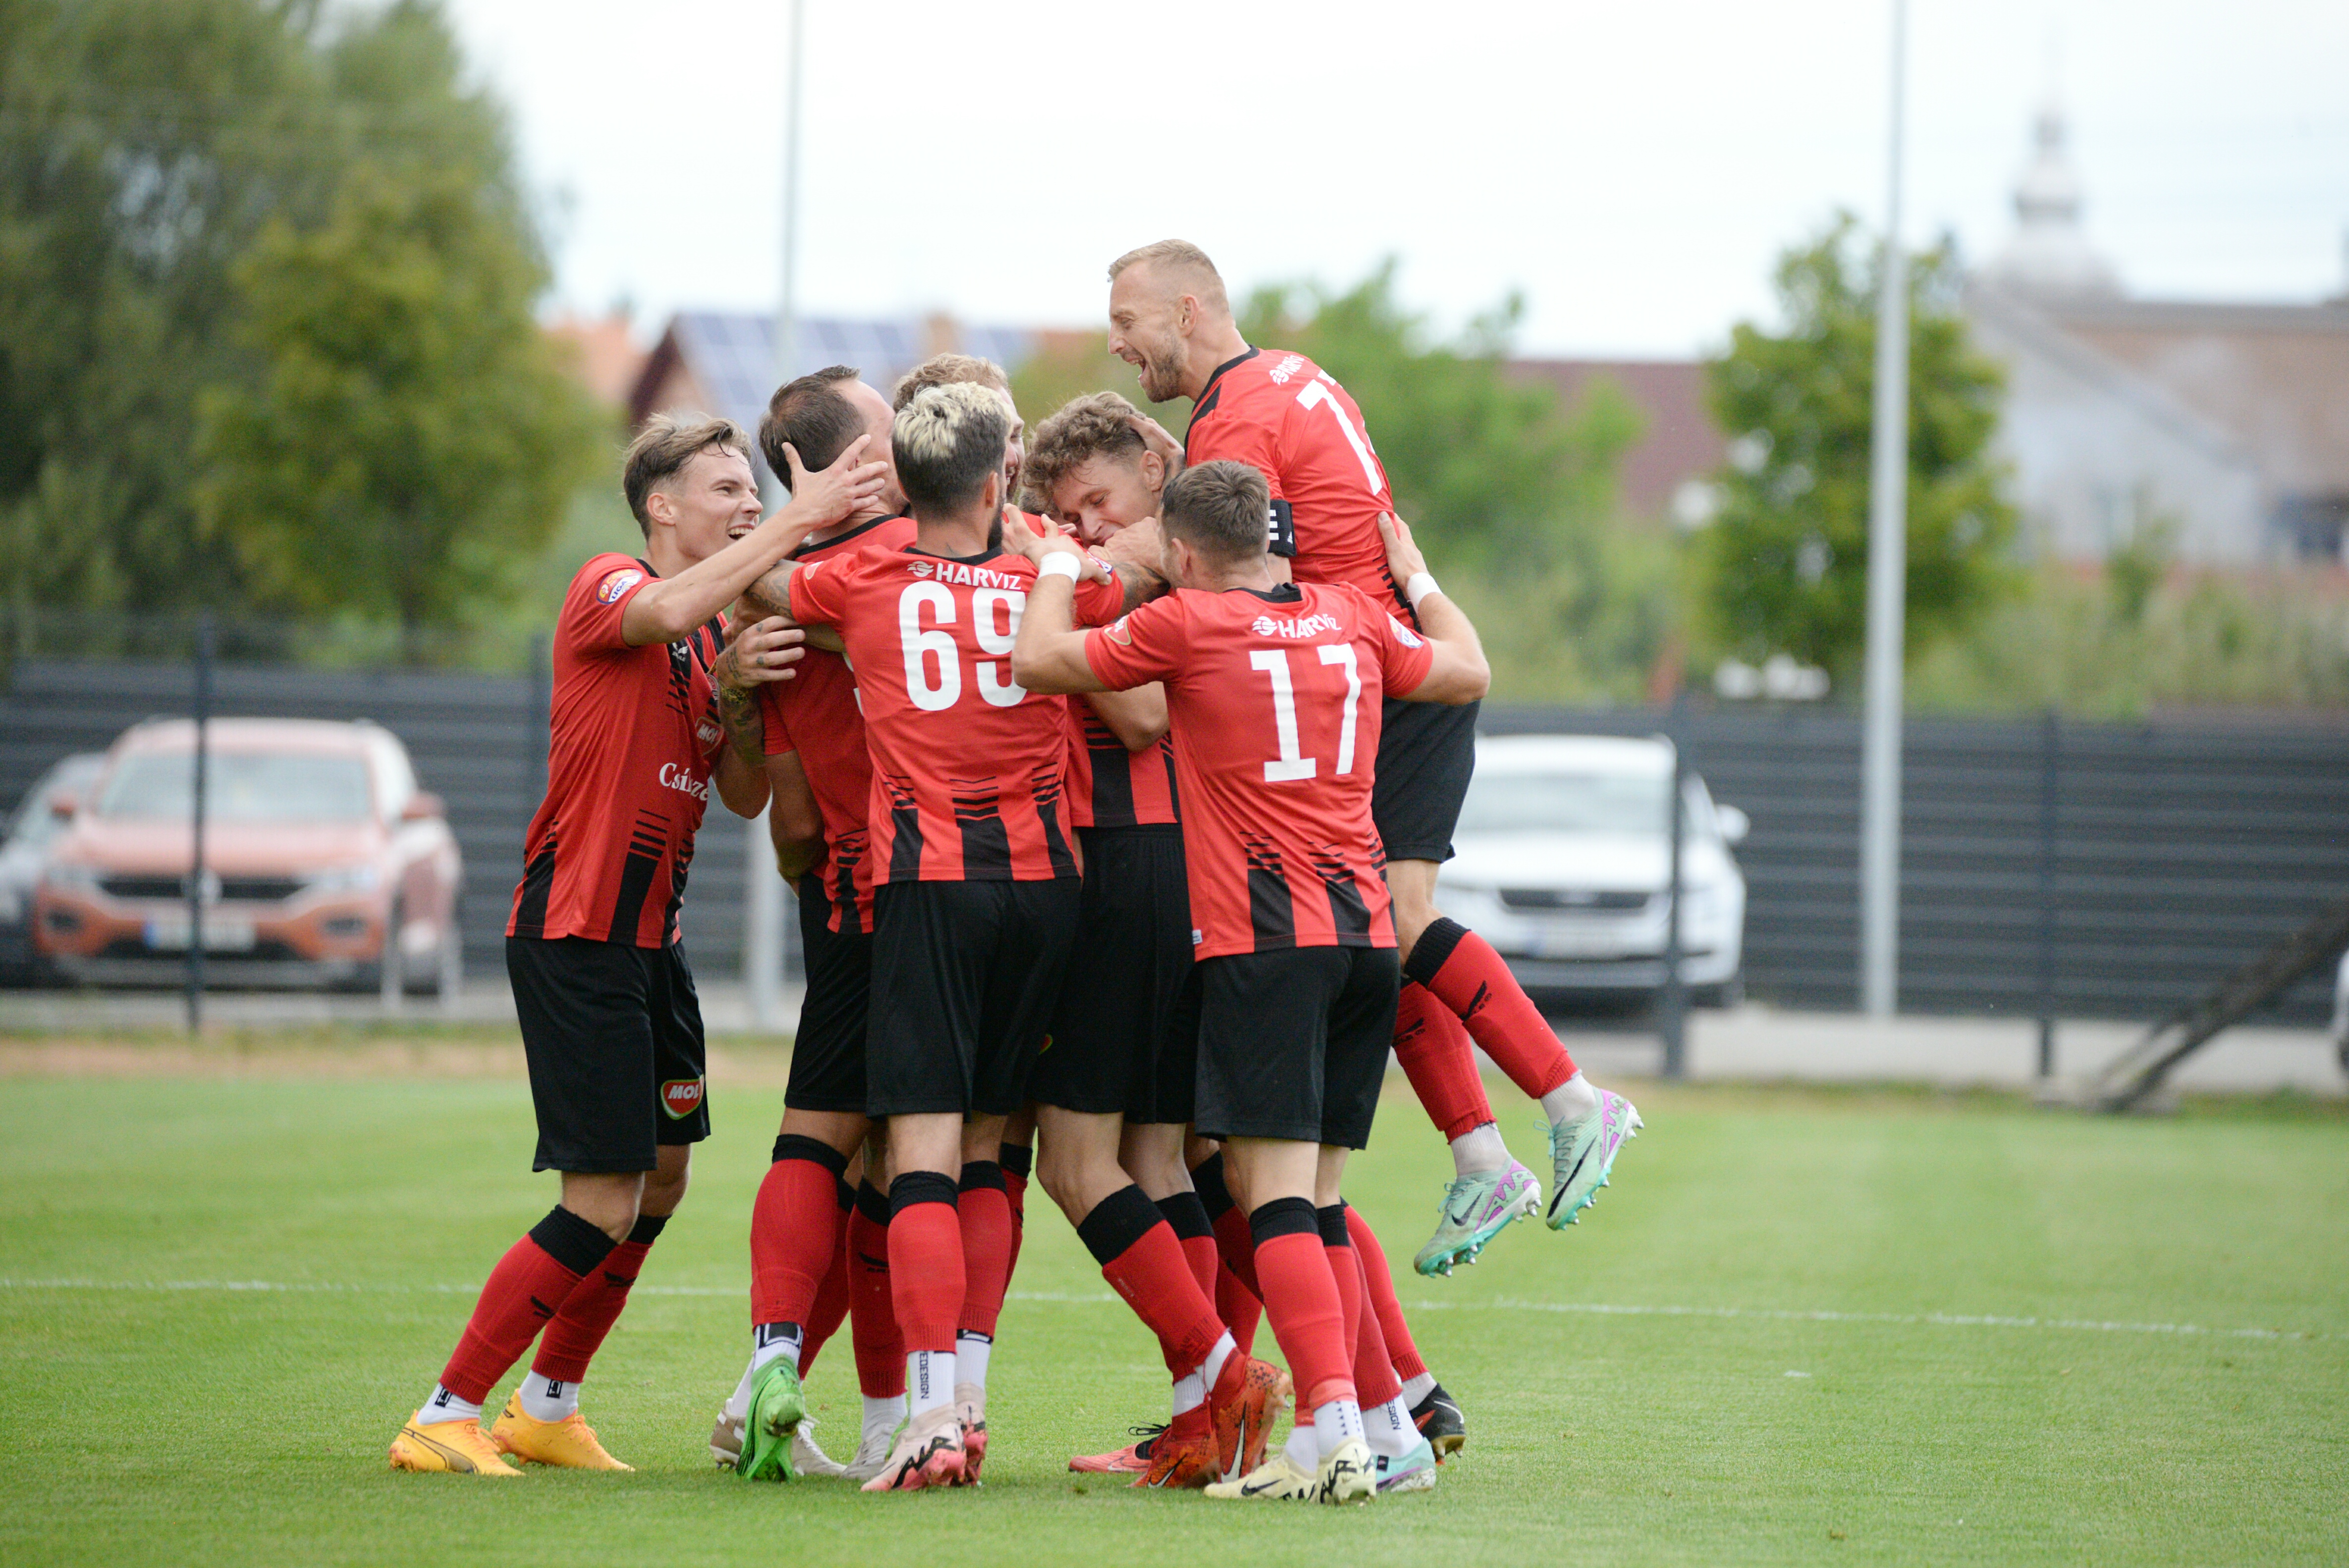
681,1097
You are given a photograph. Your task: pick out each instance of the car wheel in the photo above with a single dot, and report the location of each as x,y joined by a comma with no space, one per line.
392,969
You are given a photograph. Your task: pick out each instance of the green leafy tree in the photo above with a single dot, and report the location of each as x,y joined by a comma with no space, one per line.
160,166
412,441
1786,559
1491,470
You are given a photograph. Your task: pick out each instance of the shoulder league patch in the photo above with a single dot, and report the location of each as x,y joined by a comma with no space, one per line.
617,584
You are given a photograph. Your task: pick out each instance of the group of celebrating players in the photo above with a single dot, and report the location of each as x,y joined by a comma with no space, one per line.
1114,823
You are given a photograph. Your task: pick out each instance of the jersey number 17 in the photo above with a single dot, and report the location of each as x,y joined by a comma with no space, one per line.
1292,763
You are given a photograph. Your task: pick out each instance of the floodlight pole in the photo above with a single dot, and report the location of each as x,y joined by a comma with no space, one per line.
762,888
1887,579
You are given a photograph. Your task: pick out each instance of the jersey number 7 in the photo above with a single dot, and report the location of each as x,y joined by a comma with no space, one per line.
1292,763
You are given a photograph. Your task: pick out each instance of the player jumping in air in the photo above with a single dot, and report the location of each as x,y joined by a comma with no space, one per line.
1274,693
610,1024
1170,317
1096,466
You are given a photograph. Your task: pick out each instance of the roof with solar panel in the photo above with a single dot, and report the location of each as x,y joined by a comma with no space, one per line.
724,363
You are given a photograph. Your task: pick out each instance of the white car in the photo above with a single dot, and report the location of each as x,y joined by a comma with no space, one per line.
1562,863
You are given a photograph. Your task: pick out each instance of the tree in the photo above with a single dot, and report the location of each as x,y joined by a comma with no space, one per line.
165,170
1786,559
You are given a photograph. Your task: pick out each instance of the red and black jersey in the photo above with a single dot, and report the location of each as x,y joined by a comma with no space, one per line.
970,767
634,736
1110,786
1274,699
815,713
1287,416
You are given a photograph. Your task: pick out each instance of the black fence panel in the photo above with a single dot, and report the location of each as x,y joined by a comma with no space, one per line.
2181,850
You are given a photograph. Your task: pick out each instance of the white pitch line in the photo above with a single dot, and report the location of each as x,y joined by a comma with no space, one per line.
1499,1303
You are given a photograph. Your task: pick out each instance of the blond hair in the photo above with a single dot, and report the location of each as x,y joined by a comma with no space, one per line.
663,447
948,370
946,441
1183,259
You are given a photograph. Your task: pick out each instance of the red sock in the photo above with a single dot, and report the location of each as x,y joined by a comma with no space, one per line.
831,1295
794,1222
1440,1060
871,1315
1239,1249
1378,1281
524,1291
1017,1160
987,1233
593,1304
925,1266
1144,1262
1467,977
1301,1296
1188,1216
1375,1381
1238,1307
1344,1272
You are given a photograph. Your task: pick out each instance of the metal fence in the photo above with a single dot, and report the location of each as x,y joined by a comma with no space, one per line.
2130,866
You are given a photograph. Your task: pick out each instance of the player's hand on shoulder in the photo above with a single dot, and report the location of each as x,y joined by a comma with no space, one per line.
1404,560
831,494
761,652
1154,437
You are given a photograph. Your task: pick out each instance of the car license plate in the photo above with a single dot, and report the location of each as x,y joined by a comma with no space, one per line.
1569,941
221,935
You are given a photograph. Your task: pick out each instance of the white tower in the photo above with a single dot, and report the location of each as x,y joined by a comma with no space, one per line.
2050,255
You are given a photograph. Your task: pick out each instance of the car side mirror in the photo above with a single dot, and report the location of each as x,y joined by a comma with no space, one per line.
423,807
1734,824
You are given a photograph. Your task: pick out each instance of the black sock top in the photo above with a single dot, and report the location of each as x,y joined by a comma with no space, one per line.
1017,1158
921,1187
1284,1217
647,1229
1116,1222
1433,949
571,1241
1332,1220
1186,1214
1207,1181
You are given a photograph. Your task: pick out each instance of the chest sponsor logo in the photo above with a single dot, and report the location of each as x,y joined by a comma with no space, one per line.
1403,634
682,780
681,1097
708,732
616,584
919,568
1303,626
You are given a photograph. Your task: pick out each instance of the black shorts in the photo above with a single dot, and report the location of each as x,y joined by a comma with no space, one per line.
964,974
828,1051
1125,1037
1427,752
613,1036
1293,1043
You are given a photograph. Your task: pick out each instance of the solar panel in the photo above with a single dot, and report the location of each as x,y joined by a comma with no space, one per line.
731,356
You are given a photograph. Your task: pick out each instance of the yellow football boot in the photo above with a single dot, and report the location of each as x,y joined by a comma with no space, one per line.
569,1443
457,1448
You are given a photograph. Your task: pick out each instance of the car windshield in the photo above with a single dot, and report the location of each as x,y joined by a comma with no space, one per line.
1616,803
240,787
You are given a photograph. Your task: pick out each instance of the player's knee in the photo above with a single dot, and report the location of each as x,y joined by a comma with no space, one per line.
664,1190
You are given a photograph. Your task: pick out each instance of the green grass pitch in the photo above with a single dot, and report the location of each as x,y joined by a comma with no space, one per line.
1838,1327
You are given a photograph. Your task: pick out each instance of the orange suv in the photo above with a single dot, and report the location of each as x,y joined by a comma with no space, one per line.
324,863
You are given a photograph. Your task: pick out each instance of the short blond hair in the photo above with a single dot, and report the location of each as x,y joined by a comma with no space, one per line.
945,443
663,447
948,370
1179,256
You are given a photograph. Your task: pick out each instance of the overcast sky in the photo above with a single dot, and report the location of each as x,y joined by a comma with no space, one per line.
1633,167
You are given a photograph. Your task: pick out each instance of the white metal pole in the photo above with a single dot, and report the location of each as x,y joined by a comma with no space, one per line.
762,889
1888,577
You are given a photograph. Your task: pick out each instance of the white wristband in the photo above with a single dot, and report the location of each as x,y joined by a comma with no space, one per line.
1421,585
1059,564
